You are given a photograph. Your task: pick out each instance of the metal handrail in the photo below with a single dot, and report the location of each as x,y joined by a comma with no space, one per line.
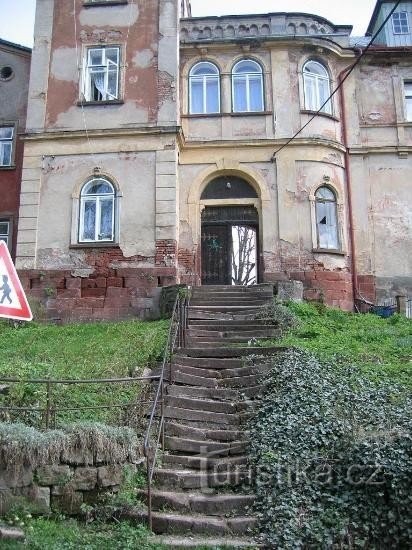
176,339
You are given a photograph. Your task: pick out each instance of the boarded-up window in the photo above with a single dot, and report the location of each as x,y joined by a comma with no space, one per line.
326,219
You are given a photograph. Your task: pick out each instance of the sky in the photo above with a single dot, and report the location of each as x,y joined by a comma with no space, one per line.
17,16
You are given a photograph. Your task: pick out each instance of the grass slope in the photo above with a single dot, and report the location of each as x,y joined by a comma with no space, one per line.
78,351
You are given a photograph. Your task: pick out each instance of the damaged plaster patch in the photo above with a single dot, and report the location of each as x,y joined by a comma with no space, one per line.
374,116
51,258
120,16
63,65
83,273
143,59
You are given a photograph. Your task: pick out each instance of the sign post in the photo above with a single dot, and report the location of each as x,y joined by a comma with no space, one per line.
13,301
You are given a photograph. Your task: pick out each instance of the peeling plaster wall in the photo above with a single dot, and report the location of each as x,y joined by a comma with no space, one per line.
13,107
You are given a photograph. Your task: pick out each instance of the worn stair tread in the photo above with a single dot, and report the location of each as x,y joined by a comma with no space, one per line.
193,479
207,405
176,542
230,352
207,448
204,416
199,392
166,522
201,434
193,462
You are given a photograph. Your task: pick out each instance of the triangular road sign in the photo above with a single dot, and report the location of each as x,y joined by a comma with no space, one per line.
13,301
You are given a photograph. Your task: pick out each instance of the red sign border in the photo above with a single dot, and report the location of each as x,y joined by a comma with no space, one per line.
24,313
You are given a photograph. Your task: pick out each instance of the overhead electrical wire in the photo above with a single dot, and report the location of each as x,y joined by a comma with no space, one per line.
350,69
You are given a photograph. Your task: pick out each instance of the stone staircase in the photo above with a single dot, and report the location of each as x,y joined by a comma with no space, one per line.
202,493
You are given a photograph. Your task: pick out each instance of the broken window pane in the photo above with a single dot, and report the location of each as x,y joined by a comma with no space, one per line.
326,219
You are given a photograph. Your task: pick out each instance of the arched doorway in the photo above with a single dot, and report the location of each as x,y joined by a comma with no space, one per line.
229,232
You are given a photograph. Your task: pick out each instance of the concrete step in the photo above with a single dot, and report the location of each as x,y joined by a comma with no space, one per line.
193,479
216,464
228,302
231,324
198,503
228,352
249,331
243,309
181,377
238,315
222,374
205,448
203,416
211,405
200,542
207,362
210,341
200,392
234,288
199,434
164,522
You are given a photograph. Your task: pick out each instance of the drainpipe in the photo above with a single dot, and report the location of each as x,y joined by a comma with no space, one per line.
348,182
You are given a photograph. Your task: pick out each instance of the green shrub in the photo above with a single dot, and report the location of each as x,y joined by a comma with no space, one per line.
333,457
279,314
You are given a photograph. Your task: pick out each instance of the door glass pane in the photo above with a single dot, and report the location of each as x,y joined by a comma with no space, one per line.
106,219
89,220
239,94
212,96
255,91
244,268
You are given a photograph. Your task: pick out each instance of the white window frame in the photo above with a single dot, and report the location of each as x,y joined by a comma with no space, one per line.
317,79
408,100
97,199
204,79
106,67
5,236
397,15
7,141
246,77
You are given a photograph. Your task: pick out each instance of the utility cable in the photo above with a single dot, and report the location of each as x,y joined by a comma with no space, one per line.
350,69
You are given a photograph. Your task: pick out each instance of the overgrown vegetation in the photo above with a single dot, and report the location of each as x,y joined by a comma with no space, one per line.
331,442
23,445
333,457
381,348
69,534
78,351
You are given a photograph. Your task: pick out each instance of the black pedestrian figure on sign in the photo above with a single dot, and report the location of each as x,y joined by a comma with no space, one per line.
6,290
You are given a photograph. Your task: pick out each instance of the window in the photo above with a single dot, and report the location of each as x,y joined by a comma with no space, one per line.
97,202
5,231
400,22
408,100
247,87
6,145
101,79
204,89
326,219
316,86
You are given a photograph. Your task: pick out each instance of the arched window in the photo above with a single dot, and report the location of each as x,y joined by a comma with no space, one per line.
326,219
316,85
247,87
204,88
97,211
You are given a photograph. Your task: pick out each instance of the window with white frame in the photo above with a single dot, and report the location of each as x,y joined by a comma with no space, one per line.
326,219
204,88
101,74
6,145
247,87
5,231
97,211
400,22
316,85
408,100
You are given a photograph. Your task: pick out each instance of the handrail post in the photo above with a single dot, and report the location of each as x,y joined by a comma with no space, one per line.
48,403
162,414
149,492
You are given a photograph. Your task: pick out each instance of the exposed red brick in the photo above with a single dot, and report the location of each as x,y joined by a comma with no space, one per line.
114,282
73,283
93,292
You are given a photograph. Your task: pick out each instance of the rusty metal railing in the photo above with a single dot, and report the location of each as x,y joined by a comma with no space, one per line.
50,410
155,432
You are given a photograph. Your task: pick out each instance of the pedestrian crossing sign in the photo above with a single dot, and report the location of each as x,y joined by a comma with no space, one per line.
13,301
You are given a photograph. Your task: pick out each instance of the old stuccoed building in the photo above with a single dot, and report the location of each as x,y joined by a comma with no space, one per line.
149,163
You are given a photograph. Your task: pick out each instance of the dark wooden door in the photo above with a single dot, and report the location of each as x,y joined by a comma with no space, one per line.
215,255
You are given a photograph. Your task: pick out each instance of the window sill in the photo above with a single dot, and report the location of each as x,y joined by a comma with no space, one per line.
94,103
326,115
11,167
250,113
88,3
95,245
328,251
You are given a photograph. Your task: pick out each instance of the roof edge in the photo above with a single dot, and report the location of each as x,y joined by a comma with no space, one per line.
15,46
